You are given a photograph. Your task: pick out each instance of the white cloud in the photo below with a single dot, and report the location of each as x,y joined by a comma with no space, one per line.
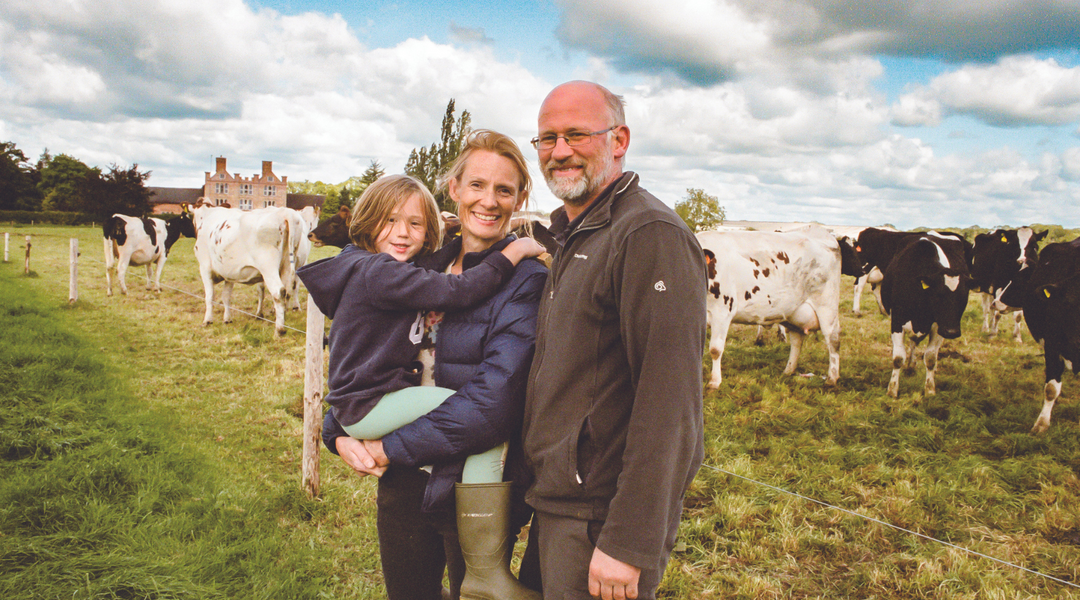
154,82
710,41
782,122
1016,91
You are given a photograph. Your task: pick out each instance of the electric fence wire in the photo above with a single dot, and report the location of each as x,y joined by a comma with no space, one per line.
744,478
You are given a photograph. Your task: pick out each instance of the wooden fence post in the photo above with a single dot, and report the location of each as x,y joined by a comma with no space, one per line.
313,394
73,286
26,268
7,244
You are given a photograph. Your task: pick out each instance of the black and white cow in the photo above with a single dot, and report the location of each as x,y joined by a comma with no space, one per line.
924,290
765,278
249,247
1049,293
996,259
877,246
134,241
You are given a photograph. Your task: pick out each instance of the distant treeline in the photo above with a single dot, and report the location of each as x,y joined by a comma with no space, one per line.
1056,233
63,184
48,217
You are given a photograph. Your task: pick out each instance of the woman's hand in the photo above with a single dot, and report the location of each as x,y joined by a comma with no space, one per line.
356,454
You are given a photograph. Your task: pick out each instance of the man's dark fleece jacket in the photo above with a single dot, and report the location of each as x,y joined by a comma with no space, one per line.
377,305
613,415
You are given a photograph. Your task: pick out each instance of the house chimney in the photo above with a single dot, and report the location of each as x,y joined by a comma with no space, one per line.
220,164
267,168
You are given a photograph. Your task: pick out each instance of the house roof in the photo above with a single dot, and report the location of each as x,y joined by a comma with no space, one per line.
298,201
164,195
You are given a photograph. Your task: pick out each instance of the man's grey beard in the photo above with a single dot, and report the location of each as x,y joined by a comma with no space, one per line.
577,191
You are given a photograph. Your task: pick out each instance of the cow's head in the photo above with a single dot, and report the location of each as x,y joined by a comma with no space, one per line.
710,264
115,228
1028,240
182,225
451,225
333,231
850,263
942,281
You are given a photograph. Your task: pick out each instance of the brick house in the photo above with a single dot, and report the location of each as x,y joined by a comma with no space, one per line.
222,188
258,191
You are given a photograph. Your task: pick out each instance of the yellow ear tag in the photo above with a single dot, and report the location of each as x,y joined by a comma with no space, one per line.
924,286
1046,292
1004,240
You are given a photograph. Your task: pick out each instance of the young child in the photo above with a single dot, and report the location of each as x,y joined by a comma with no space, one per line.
377,300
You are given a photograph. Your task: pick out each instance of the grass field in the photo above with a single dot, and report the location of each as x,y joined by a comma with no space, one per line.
146,456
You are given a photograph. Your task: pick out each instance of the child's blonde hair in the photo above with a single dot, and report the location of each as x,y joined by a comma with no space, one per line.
381,199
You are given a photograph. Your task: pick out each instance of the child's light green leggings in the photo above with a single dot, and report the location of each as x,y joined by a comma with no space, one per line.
402,407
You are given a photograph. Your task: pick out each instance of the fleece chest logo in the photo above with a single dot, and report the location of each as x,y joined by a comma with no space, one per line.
582,256
659,286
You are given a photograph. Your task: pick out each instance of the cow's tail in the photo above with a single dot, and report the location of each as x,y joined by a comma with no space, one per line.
287,270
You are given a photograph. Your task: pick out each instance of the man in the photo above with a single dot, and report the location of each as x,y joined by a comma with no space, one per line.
613,417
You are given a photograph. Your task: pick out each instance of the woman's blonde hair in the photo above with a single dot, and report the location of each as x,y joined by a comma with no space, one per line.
381,199
497,143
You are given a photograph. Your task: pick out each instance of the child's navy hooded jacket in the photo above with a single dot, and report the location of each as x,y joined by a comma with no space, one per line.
484,353
377,305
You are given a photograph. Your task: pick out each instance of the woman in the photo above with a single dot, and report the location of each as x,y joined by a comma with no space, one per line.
484,353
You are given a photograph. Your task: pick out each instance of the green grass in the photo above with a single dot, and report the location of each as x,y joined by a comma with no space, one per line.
145,456
148,456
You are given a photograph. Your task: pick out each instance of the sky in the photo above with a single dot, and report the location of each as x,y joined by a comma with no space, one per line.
914,113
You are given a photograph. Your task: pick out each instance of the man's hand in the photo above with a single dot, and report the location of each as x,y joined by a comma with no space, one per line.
612,579
355,453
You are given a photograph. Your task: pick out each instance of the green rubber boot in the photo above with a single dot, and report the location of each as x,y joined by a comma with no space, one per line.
483,521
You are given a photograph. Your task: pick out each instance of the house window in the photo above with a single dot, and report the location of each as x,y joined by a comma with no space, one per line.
270,178
221,188
269,203
269,191
220,201
245,188
245,204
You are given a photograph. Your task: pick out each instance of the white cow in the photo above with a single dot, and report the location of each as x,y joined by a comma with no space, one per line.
135,241
248,247
300,225
763,278
309,220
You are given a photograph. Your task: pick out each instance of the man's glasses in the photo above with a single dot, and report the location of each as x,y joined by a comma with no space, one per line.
574,138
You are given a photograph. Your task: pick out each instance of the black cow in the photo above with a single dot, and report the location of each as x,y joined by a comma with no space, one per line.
332,231
924,290
1049,294
996,259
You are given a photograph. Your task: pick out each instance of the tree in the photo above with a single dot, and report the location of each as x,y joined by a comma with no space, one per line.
700,211
373,172
62,182
118,191
428,164
17,180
